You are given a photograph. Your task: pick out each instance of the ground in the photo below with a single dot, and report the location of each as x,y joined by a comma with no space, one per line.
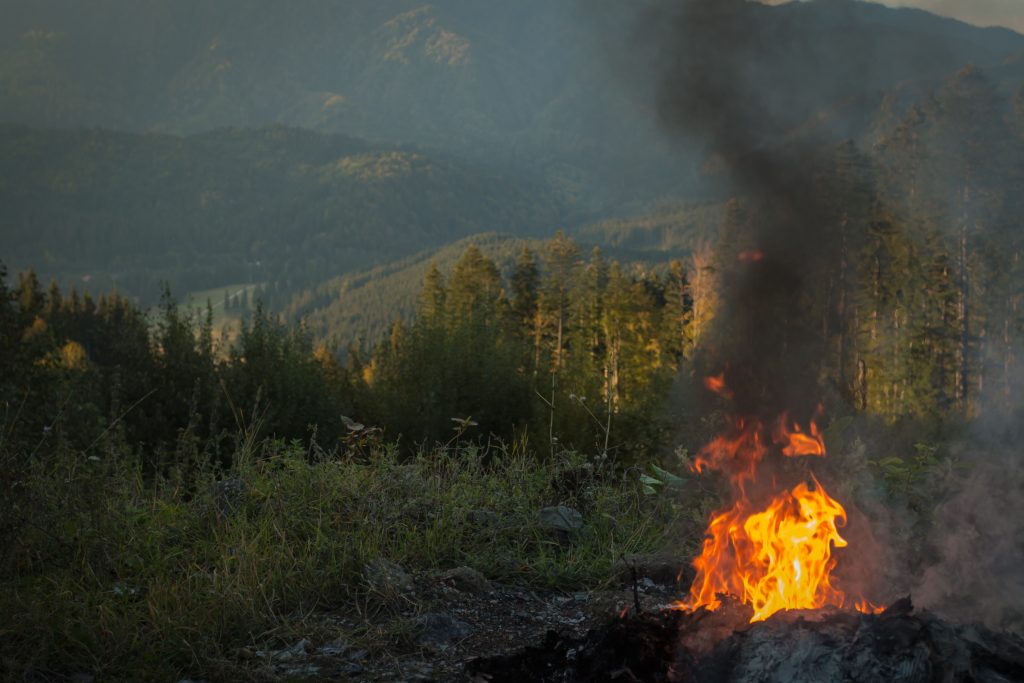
431,632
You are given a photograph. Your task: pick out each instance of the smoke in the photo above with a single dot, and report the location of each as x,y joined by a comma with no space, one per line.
973,568
977,543
732,80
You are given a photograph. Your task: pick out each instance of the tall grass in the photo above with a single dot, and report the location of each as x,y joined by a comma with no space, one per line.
103,570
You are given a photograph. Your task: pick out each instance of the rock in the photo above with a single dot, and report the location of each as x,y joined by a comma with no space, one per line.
334,649
663,570
298,650
561,518
438,631
387,577
467,580
302,670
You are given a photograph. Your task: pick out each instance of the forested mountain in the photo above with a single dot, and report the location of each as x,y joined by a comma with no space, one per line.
917,308
283,205
361,308
533,82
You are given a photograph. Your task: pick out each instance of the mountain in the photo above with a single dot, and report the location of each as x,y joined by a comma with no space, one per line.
258,143
565,87
274,204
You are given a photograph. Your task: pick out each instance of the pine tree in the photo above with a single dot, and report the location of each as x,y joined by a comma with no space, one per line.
561,261
524,284
678,314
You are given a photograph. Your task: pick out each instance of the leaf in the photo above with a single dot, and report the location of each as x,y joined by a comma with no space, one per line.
667,477
650,481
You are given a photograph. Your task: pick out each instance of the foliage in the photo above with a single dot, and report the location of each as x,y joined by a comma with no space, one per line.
110,571
576,353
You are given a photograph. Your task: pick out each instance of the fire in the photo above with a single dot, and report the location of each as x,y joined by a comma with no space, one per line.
776,555
772,559
739,451
795,442
717,385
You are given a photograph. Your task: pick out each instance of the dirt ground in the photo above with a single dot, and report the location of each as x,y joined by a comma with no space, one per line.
431,632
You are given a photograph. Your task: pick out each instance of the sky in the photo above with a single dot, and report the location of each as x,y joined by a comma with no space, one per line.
1008,13
981,12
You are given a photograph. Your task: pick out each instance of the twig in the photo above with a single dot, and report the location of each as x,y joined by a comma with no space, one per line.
119,418
636,583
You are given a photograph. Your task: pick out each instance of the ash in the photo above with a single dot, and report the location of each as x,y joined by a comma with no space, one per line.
791,647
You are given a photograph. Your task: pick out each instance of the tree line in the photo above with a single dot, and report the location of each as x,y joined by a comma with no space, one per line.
916,307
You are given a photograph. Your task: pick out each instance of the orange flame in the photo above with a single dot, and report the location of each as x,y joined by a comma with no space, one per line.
796,442
717,385
775,557
739,451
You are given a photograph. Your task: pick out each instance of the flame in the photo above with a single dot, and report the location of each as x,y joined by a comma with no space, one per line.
739,451
795,442
717,385
773,559
776,555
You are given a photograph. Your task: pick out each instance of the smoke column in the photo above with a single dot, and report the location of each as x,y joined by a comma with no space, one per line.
730,81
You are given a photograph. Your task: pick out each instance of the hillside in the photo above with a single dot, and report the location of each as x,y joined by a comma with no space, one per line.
292,206
563,86
362,307
934,132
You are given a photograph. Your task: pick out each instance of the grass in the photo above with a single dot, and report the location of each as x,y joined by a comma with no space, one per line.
129,577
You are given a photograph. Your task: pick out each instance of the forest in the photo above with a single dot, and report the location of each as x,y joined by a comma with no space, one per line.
922,320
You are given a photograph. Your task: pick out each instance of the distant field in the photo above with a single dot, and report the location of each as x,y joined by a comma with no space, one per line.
225,322
197,300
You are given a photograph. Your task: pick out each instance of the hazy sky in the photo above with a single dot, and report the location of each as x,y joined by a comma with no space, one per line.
981,12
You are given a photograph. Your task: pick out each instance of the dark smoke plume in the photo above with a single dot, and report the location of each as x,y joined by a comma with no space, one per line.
732,81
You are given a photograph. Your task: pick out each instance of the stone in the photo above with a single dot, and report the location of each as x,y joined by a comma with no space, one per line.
333,649
467,580
438,631
561,518
386,577
299,650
